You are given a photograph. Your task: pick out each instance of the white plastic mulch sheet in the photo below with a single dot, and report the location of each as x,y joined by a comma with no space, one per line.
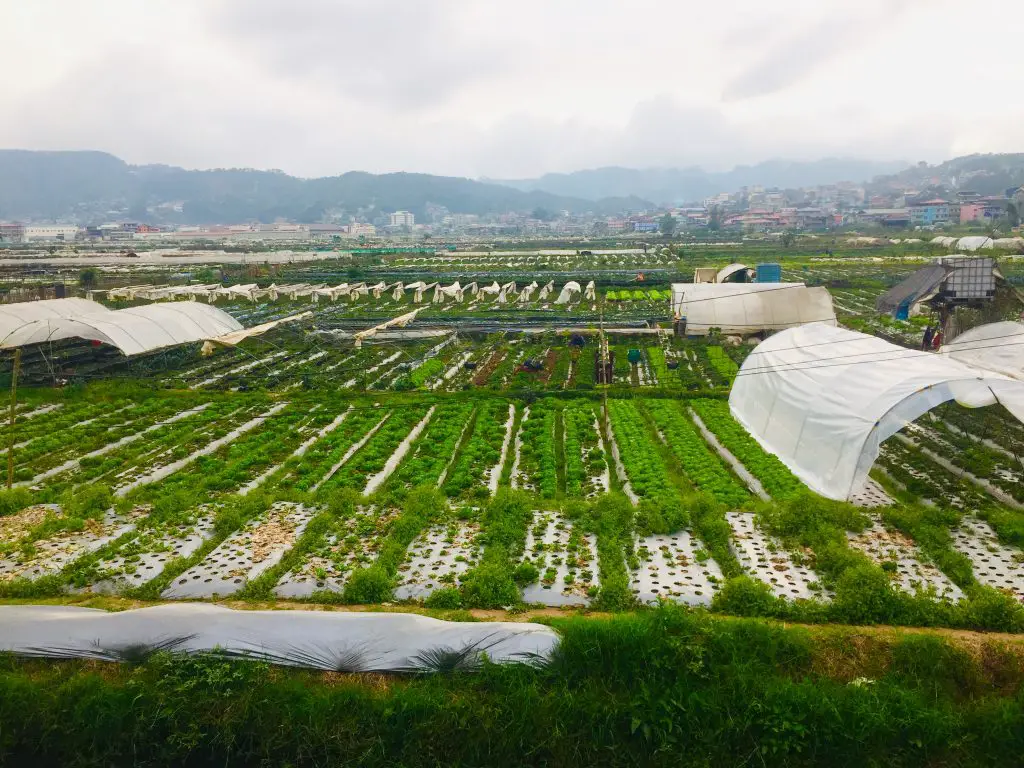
343,642
823,399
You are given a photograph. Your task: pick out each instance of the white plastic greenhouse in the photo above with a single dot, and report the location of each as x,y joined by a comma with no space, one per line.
823,399
749,307
134,331
996,347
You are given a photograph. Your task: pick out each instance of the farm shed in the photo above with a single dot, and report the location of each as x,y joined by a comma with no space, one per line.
823,399
951,279
746,308
134,331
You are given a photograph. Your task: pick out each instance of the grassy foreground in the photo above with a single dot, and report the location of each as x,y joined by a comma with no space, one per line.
665,687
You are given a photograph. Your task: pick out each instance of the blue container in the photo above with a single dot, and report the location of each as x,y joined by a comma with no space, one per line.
769,273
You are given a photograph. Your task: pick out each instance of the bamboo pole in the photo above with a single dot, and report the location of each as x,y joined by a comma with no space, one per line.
14,402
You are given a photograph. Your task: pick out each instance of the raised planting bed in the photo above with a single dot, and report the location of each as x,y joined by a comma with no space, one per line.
478,466
432,453
147,554
348,544
244,555
305,471
674,567
703,468
765,558
374,455
33,556
536,467
771,473
645,471
587,473
900,557
438,559
565,558
871,495
994,563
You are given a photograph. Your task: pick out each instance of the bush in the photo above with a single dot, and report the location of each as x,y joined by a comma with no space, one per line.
87,501
447,597
993,610
525,573
368,585
490,585
745,596
864,595
14,500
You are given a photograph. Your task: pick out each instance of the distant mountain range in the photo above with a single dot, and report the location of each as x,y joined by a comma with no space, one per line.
680,185
992,174
90,187
95,186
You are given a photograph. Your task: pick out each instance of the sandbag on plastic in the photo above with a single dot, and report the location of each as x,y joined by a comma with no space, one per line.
328,640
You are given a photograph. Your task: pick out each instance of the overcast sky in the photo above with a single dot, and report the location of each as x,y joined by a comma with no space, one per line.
510,89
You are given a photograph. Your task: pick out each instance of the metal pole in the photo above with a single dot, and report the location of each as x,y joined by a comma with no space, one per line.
14,401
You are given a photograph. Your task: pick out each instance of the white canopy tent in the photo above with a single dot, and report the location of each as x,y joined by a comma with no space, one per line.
823,399
996,347
134,331
750,307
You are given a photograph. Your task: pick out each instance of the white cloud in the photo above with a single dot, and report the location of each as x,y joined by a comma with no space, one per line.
506,90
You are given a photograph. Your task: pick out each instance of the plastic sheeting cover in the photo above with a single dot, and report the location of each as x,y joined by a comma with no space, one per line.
340,641
750,307
974,243
22,313
569,290
823,399
997,347
135,330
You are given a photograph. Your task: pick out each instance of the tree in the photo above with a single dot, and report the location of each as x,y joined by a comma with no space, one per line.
1012,214
87,278
715,219
788,238
667,225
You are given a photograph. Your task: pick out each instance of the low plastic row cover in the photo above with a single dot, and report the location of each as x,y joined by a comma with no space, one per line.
328,640
134,331
823,399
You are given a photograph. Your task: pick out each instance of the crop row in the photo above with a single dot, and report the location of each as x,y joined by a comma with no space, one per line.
435,447
585,462
538,456
775,477
701,465
646,472
372,457
481,452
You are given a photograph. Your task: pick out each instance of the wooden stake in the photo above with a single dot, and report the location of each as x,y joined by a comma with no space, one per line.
14,402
